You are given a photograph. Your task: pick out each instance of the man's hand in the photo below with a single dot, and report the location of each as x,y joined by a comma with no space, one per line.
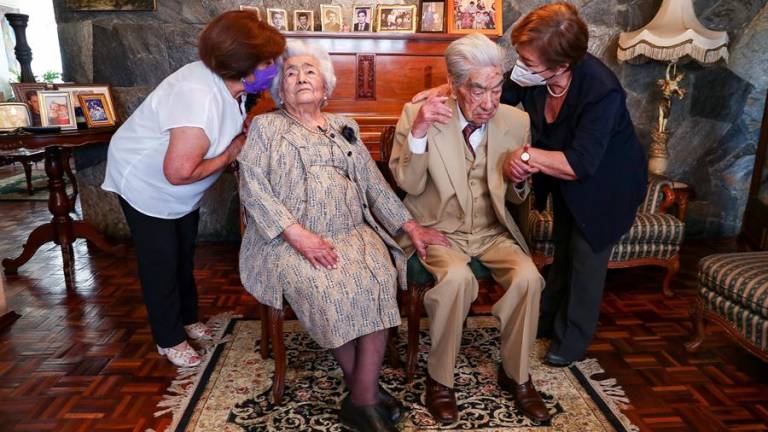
441,90
514,169
317,250
433,110
422,237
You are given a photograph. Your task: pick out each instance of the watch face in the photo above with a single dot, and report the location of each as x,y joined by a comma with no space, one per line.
525,156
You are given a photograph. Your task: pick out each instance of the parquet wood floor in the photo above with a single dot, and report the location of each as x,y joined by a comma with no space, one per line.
85,361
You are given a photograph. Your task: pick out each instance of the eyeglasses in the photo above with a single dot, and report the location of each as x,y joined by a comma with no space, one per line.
478,92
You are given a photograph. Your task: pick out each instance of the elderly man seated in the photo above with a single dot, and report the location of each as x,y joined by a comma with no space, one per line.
451,156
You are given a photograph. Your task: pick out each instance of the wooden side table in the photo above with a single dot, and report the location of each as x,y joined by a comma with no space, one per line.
61,230
683,193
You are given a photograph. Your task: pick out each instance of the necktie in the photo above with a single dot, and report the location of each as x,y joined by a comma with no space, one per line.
467,131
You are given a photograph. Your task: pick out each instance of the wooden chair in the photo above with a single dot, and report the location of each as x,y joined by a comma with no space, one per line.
272,328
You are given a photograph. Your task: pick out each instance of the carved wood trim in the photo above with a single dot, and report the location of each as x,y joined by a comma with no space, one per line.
366,77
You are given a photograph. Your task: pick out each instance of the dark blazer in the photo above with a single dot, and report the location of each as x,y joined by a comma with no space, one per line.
595,132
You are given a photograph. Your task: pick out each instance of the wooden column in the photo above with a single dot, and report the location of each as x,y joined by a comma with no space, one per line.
23,52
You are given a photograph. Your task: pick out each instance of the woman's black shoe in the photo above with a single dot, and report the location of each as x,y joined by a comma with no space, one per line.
392,406
371,418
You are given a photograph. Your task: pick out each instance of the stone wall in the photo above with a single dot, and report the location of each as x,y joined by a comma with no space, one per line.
713,130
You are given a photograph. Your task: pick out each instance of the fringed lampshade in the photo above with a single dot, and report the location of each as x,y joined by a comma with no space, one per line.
672,34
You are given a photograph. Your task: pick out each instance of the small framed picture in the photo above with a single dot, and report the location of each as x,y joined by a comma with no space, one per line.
362,18
277,18
76,89
469,16
14,115
432,17
57,109
27,93
254,9
95,110
330,18
396,19
304,20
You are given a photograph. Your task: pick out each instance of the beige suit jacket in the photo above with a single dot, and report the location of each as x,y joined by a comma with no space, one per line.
436,182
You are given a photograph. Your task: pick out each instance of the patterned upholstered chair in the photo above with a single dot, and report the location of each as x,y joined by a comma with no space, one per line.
654,238
733,292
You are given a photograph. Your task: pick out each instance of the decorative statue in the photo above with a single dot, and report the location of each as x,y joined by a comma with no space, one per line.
670,87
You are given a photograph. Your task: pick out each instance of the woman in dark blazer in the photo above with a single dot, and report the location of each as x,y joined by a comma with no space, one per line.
585,154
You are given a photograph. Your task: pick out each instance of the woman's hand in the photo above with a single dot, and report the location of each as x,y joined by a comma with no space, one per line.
441,90
514,169
422,237
317,250
235,147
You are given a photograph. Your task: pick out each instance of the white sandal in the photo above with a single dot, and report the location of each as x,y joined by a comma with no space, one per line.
199,330
186,356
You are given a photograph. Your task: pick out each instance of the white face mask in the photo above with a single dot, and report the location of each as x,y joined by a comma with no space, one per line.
524,77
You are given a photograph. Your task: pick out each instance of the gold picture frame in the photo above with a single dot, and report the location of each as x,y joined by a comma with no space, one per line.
57,109
396,19
95,110
370,17
75,89
329,14
473,16
254,9
277,18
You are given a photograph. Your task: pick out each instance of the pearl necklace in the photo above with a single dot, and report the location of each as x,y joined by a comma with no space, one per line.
557,95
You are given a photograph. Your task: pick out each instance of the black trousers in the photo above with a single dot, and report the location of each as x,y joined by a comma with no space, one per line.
570,302
165,249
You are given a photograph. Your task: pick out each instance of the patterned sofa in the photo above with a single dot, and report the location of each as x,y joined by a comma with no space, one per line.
733,292
654,238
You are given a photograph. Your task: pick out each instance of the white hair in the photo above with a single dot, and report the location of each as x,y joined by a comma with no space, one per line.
470,52
295,48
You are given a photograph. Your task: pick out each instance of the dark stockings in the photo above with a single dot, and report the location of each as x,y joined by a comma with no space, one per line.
361,361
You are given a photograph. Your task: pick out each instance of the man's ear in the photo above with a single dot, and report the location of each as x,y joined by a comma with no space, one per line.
451,89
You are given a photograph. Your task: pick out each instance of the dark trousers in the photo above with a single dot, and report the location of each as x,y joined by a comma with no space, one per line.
165,249
570,302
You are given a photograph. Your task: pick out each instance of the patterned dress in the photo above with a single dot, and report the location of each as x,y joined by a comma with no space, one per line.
359,296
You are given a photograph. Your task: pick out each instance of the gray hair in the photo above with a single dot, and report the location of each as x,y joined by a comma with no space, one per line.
470,52
294,48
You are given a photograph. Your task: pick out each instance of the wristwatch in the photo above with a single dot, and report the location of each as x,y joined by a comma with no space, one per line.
525,156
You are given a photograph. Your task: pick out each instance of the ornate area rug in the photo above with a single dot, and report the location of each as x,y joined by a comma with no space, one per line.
231,390
14,188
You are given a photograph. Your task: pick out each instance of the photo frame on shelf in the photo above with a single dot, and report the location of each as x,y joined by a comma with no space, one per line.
470,16
14,115
95,110
304,20
432,17
396,19
57,109
277,18
75,89
330,18
26,93
254,9
363,18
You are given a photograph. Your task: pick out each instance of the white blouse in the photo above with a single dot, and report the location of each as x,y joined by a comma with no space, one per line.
193,96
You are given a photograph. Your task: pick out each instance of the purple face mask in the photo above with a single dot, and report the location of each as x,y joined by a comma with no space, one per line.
262,79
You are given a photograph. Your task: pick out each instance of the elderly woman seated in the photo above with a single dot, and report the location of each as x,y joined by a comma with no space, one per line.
320,221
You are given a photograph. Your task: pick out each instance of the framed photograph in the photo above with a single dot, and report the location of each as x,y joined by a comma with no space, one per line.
57,109
277,18
254,9
95,110
362,18
432,17
77,89
26,93
468,16
14,115
304,20
330,18
396,19
111,5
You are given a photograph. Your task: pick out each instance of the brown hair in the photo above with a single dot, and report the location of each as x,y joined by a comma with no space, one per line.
556,32
236,41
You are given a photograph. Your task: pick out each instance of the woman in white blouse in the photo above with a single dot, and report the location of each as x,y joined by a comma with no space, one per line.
170,151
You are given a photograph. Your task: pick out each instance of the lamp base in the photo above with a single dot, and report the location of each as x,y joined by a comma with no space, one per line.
657,165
